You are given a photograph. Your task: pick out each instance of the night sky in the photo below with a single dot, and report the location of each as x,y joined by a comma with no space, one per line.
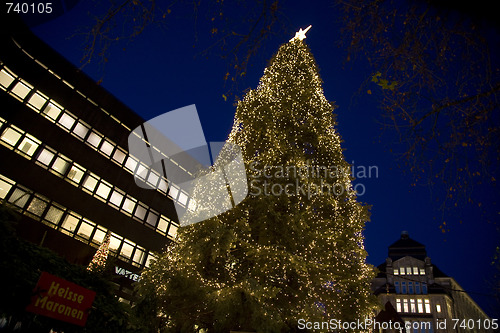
161,71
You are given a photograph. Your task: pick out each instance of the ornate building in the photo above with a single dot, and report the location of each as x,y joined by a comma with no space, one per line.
422,295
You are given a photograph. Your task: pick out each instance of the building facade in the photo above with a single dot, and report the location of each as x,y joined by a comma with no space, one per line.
423,296
65,164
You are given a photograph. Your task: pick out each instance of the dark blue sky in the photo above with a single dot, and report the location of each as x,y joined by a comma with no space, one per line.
159,72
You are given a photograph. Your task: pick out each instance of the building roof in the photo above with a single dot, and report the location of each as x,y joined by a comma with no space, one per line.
406,246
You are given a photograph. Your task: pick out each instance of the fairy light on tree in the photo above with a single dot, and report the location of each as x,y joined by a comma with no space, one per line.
294,252
98,262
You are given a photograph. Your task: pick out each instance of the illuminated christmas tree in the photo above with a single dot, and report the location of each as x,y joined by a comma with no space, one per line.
98,261
293,249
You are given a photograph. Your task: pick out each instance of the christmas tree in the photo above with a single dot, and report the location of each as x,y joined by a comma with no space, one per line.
98,261
293,249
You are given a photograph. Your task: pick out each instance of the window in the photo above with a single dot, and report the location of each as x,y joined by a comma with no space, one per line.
22,89
152,218
396,271
76,173
103,190
427,306
163,186
127,249
11,136
52,110
417,287
6,78
422,271
29,145
141,172
139,255
54,215
94,139
420,306
398,305
129,204
148,260
403,287
402,270
438,308
413,308
114,242
408,270
70,223
86,228
81,130
45,156
183,198
396,286
172,231
4,188
116,198
131,164
410,287
424,288
153,178
90,182
119,156
37,206
99,235
415,270
107,147
405,305
163,224
140,212
19,197
60,165
67,121
37,100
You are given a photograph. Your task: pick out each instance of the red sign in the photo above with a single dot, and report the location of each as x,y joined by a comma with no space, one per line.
62,300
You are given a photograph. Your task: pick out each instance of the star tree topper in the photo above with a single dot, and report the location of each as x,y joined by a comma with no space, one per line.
301,34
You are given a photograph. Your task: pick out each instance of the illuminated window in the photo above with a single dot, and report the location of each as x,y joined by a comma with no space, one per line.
396,271
131,164
29,145
408,270
174,191
163,185
4,188
127,249
90,183
438,307
139,255
85,230
141,171
99,236
116,198
107,147
54,215
152,218
150,257
81,130
153,178
22,89
19,197
37,206
420,305
103,190
415,270
402,271
422,271
45,156
114,242
52,110
76,173
129,204
427,306
38,100
94,139
163,224
413,308
60,165
398,305
6,78
183,198
172,231
11,136
405,305
70,223
67,121
119,156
